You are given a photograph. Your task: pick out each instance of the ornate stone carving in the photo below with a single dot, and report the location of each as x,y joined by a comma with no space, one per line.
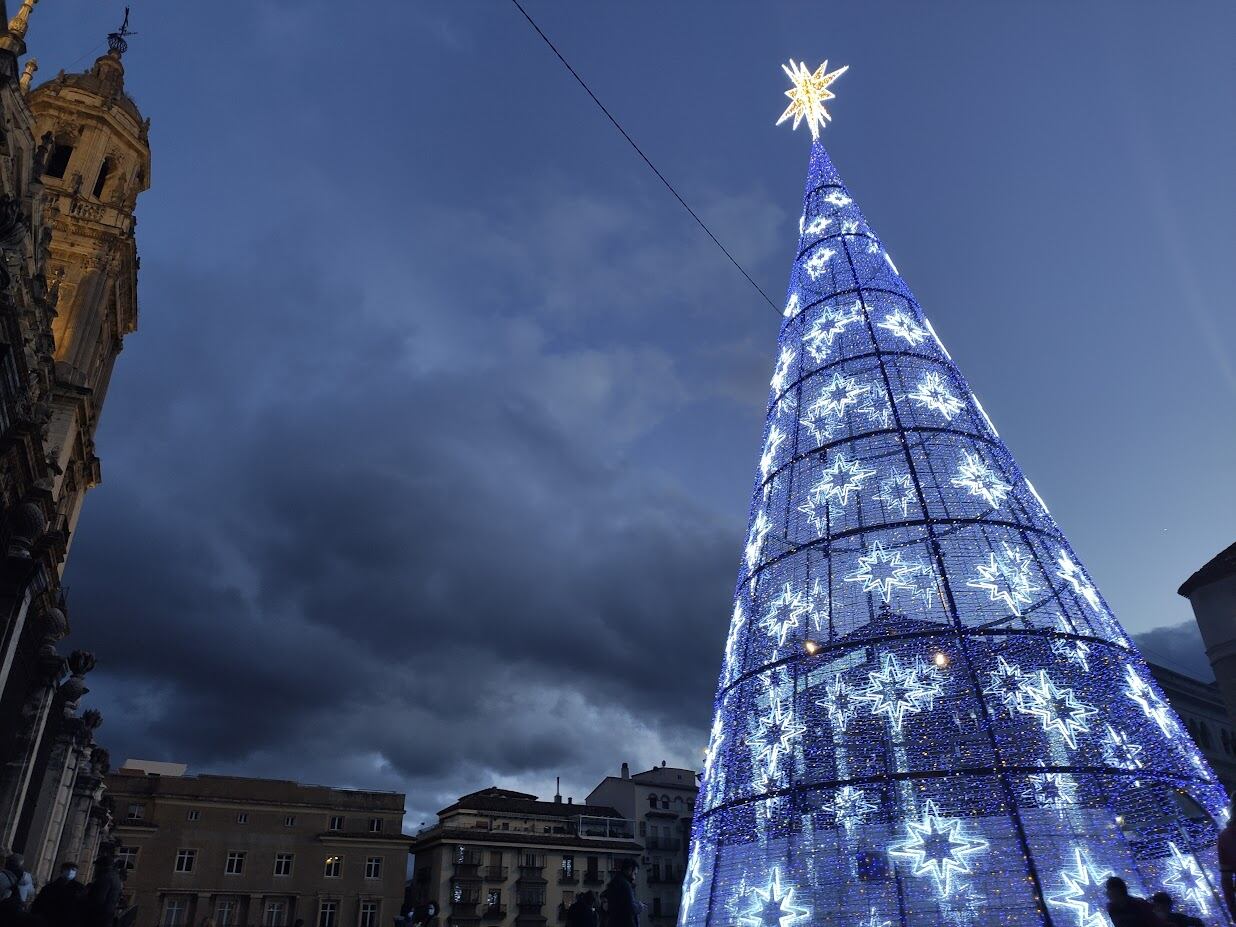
26,524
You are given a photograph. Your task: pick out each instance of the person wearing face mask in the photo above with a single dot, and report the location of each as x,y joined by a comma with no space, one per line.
61,901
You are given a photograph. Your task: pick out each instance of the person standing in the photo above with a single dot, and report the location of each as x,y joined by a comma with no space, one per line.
16,887
1163,903
622,908
1127,910
104,894
583,912
1227,859
61,902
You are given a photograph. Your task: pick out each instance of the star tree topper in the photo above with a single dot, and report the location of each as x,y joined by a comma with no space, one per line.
809,94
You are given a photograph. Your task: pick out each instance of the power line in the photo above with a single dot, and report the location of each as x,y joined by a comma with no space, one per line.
669,186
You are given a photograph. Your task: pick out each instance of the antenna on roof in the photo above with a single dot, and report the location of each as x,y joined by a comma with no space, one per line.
557,790
116,40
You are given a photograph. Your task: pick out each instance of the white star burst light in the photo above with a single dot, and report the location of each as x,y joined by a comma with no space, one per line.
849,807
980,480
1083,892
831,322
849,227
809,94
838,395
1006,577
818,262
1074,651
731,642
1058,709
1185,875
938,846
1008,684
715,739
755,539
933,393
834,486
781,373
1056,791
772,739
695,878
894,691
769,458
837,199
786,612
1072,574
817,226
883,571
792,306
839,703
901,325
774,906
1119,751
897,492
1152,706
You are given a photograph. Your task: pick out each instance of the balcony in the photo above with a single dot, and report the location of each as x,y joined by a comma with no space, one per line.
529,873
495,873
464,904
567,878
526,908
494,912
663,843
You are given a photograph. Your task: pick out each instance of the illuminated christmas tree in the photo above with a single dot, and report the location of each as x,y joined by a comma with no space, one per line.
927,713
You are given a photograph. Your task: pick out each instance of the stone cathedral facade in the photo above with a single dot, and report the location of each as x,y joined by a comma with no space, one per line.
74,156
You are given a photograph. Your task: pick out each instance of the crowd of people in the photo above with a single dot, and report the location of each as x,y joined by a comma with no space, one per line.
64,901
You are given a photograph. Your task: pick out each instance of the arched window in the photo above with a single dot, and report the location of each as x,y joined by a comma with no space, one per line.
665,802
58,162
652,801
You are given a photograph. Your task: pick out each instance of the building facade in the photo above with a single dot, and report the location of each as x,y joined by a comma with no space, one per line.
1212,593
498,858
267,852
1203,711
74,155
662,802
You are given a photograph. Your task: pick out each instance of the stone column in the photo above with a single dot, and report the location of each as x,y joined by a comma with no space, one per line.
22,769
81,829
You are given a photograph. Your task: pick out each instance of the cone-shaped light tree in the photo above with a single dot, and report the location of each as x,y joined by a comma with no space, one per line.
927,714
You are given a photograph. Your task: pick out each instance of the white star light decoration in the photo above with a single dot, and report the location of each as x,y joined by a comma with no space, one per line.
695,878
715,739
1057,709
781,373
1148,700
830,406
1186,877
978,479
774,906
768,460
809,94
883,571
1083,892
772,739
894,691
830,323
933,393
901,324
817,226
938,846
787,611
835,485
1055,791
1074,651
1008,684
731,643
1006,577
817,264
1119,751
1072,574
849,807
792,306
755,539
837,199
897,492
839,703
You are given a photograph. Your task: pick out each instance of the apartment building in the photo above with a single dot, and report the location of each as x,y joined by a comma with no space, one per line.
244,852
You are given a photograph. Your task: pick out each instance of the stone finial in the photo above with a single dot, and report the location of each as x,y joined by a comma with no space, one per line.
91,719
26,524
21,22
27,75
81,662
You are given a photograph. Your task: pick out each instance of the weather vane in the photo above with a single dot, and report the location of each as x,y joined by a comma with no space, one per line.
809,94
116,40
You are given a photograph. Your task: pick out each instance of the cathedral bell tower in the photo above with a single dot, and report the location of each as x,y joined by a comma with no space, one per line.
94,158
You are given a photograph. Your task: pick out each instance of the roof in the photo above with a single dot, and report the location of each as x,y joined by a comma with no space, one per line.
670,776
138,784
105,80
456,835
1221,566
505,801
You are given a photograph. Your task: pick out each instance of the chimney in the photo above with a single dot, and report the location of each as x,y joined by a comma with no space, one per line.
570,800
557,790
626,771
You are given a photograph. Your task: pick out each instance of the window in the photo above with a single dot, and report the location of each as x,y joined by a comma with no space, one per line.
283,864
137,811
194,815
493,898
568,866
375,825
226,910
336,822
58,163
665,802
289,821
185,860
129,856
235,863
101,181
328,912
652,801
276,914
373,867
368,914
334,867
242,817
174,910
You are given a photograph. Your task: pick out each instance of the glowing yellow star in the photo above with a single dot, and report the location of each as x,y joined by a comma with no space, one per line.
808,95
